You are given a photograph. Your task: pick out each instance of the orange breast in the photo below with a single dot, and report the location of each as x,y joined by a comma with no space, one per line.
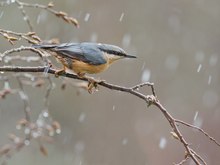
82,67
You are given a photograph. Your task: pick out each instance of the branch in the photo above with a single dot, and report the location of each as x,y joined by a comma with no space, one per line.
149,99
45,70
48,7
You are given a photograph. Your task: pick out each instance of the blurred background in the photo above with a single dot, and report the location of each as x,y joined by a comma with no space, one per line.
177,45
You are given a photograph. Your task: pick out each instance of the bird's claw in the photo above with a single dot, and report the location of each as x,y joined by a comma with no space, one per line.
59,72
93,85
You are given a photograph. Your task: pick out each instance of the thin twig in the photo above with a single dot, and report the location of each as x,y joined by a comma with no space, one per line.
30,37
25,16
177,132
199,157
22,48
60,14
183,161
199,129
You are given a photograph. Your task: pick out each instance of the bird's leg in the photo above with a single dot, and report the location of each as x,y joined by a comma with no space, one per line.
93,84
60,72
81,75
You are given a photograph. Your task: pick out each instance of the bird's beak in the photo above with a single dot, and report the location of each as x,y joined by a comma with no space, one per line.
129,56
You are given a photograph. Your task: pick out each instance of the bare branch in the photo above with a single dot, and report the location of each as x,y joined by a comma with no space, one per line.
150,99
25,16
199,129
60,14
30,37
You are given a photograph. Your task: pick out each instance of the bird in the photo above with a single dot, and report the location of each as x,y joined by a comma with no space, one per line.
85,57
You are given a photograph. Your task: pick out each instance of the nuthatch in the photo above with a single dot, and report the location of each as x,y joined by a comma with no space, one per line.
86,57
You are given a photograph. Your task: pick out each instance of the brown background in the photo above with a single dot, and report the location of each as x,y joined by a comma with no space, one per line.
171,38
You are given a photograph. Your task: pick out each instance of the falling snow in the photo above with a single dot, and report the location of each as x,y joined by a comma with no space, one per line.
26,142
79,147
210,98
143,66
82,117
174,23
45,114
87,17
213,60
199,56
94,37
113,108
121,17
209,80
198,122
1,14
42,17
199,68
162,143
27,131
146,75
125,141
172,62
126,40
195,116
23,95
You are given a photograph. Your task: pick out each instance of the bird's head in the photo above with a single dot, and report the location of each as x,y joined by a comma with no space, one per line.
114,52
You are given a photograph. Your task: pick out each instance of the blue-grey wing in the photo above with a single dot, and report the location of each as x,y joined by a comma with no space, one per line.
86,52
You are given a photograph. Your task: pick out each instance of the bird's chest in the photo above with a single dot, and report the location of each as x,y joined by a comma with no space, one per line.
82,67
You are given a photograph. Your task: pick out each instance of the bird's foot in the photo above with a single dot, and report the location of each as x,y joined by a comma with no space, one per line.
59,72
93,84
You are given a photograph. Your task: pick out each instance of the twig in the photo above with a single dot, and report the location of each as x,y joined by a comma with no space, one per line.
27,108
183,161
177,132
29,36
199,129
22,48
25,16
60,14
199,157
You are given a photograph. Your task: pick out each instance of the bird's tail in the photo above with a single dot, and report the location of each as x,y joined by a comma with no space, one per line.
39,46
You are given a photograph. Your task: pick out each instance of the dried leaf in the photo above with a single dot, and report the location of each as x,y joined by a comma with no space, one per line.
36,38
54,41
47,139
30,34
43,150
12,137
12,38
50,130
56,125
61,14
5,149
22,122
38,83
50,5
33,41
174,135
186,154
74,21
66,19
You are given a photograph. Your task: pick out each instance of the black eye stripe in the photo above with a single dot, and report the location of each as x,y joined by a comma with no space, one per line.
113,52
